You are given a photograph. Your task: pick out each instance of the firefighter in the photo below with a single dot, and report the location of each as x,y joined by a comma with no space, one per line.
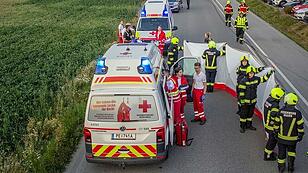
289,130
248,96
210,56
198,92
241,73
173,51
243,7
182,83
271,107
228,13
174,94
241,25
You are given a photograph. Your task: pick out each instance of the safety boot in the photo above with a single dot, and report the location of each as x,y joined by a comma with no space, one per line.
229,24
270,157
291,164
226,23
242,130
241,41
281,167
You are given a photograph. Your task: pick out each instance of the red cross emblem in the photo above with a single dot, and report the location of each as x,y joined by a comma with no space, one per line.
144,106
152,33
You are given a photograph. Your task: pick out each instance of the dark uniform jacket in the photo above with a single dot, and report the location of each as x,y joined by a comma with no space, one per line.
210,56
248,88
173,53
271,107
241,71
290,125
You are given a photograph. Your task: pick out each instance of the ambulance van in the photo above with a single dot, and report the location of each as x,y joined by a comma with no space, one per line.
154,13
128,118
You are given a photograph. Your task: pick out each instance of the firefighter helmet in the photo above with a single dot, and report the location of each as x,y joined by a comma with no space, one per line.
291,99
228,2
277,93
244,57
212,44
175,40
243,1
250,69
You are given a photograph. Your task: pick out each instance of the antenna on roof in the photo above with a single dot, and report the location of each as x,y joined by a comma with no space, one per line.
127,49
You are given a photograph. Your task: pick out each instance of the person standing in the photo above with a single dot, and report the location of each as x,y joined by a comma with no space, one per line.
127,33
210,56
228,13
188,4
173,94
160,36
207,37
182,83
289,131
271,107
241,73
173,51
241,25
248,96
198,91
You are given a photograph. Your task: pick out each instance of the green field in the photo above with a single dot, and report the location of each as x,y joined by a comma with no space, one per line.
44,45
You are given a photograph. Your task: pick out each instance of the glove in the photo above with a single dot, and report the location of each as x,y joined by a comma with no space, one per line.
224,48
299,138
202,98
247,28
262,68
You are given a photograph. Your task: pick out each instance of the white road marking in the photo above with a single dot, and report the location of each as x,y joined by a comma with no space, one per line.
270,61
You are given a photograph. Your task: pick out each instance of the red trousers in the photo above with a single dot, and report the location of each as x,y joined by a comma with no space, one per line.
120,40
177,110
198,105
183,103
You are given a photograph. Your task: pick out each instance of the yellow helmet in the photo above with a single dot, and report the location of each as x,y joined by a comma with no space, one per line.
244,57
250,69
212,44
175,40
228,2
243,1
277,93
291,99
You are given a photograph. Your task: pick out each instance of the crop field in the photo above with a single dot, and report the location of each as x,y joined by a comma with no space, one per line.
44,45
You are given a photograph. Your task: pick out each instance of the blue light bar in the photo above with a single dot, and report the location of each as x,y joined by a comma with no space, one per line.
101,67
145,66
143,12
165,12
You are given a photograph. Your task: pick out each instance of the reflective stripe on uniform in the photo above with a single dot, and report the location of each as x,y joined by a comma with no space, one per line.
281,160
268,151
242,86
291,126
293,154
243,119
300,122
288,138
249,119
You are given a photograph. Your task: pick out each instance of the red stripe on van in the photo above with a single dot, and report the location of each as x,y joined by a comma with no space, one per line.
92,128
140,151
107,151
123,79
153,150
97,147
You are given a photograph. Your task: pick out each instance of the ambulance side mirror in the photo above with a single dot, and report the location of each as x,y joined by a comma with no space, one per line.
174,28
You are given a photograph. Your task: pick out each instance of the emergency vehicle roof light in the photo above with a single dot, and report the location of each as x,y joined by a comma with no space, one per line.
145,66
143,12
165,12
101,67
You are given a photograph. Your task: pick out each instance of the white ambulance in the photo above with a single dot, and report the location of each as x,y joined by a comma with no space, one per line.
154,13
128,118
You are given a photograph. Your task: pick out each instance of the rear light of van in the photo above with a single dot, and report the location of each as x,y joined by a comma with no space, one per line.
87,135
160,135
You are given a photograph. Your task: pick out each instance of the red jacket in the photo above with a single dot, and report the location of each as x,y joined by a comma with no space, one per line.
228,9
161,37
172,89
183,87
124,112
243,8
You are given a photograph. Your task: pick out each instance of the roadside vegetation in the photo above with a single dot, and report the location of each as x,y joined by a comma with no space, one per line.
46,50
292,28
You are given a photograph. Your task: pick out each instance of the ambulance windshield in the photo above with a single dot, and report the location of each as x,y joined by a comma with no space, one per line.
127,108
151,24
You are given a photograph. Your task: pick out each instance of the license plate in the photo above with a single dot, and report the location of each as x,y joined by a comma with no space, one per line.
123,136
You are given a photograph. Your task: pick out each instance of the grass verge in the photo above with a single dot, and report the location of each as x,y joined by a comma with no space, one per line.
292,28
44,45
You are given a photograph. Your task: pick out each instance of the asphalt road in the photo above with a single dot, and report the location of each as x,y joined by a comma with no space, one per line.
218,145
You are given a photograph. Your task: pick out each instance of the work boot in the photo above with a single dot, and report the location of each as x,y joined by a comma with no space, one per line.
291,164
242,130
229,24
203,122
252,128
271,157
226,23
194,120
241,41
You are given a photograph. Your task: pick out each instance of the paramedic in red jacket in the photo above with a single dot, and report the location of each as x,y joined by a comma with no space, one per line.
174,93
183,86
198,91
161,38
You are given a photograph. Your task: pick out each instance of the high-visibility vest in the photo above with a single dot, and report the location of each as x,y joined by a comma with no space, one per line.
182,87
228,9
241,22
243,8
173,92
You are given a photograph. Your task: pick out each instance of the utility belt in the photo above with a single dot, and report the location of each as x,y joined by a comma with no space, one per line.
210,67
